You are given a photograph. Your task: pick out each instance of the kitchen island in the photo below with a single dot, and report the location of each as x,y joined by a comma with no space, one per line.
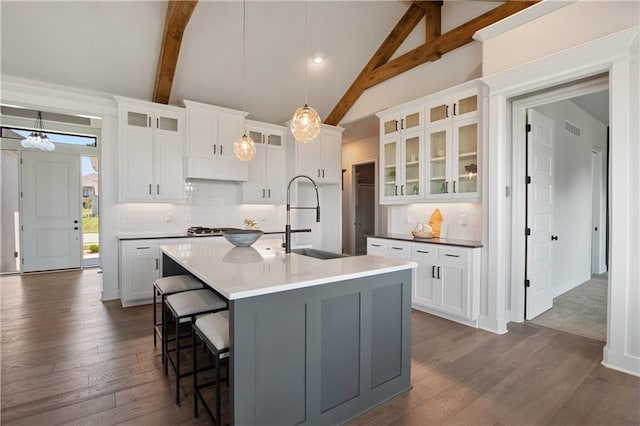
312,341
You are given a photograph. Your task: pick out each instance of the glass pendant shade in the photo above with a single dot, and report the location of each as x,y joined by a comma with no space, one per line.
38,138
305,125
244,148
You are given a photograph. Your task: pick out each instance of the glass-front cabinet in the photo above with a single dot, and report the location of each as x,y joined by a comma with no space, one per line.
402,167
407,120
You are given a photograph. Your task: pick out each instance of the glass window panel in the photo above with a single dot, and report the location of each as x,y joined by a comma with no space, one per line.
168,123
467,105
56,138
412,120
137,119
468,139
438,113
390,126
275,140
256,136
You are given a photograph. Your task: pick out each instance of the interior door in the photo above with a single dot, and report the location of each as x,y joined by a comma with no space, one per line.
50,211
540,163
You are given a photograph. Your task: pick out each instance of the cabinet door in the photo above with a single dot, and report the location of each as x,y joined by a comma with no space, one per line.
399,250
331,152
276,175
425,286
376,247
142,271
308,158
439,111
255,190
168,164
466,159
465,104
230,128
412,166
203,128
438,161
454,278
136,180
389,171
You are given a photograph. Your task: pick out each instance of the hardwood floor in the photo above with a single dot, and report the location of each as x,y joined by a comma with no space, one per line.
68,358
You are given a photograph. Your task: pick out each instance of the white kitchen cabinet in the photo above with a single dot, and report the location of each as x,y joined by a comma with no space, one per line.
267,179
401,171
408,118
151,152
452,138
447,280
321,159
139,268
211,133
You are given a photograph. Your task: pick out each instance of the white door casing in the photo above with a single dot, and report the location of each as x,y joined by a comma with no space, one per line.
540,195
50,211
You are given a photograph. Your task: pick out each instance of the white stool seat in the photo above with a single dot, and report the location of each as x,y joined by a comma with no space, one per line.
195,301
177,283
215,327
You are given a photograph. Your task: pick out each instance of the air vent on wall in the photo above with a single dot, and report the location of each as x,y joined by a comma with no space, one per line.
572,128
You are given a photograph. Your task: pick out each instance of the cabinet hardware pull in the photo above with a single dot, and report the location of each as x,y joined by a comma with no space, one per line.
433,271
401,189
268,193
446,111
422,251
396,125
215,149
158,189
446,187
322,172
262,192
454,108
375,245
402,123
454,186
397,248
318,172
396,189
157,264
75,228
439,272
143,248
220,149
554,238
452,255
157,123
149,120
149,189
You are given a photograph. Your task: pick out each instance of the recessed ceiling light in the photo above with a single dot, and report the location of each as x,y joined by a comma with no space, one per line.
317,58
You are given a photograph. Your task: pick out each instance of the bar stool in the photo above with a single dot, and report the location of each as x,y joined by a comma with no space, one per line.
169,285
184,307
213,331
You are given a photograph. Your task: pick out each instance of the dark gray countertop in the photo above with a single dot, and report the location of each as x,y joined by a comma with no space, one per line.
443,241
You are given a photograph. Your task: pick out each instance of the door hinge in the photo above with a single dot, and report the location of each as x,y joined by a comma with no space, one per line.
527,179
527,231
21,196
528,127
527,283
15,254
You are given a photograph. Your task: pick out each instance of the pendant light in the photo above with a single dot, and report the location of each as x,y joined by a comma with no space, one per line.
305,124
244,147
38,138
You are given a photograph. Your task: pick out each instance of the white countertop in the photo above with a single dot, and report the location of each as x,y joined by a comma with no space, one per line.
264,268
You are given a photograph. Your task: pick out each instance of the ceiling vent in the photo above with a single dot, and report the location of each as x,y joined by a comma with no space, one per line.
572,128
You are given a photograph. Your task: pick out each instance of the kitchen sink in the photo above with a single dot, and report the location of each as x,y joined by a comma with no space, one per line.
318,254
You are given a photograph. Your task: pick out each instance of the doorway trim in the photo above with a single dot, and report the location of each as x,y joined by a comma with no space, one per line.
616,55
352,201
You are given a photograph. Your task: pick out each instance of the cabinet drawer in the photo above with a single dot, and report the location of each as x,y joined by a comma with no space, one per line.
423,252
141,247
376,244
455,255
399,250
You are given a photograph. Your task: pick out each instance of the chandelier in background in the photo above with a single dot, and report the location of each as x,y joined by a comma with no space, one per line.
38,138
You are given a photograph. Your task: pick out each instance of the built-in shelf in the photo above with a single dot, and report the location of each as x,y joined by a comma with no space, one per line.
412,163
436,159
437,178
468,154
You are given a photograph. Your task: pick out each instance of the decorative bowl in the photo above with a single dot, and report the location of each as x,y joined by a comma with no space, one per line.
243,237
422,234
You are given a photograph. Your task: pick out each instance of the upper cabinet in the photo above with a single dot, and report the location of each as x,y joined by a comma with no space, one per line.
268,170
429,148
151,151
321,159
211,132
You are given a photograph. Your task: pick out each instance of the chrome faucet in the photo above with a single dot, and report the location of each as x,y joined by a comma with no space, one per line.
287,228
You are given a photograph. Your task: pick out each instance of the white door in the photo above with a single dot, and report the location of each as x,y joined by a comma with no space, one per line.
540,163
50,211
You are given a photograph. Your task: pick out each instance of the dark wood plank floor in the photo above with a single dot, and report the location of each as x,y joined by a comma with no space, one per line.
68,358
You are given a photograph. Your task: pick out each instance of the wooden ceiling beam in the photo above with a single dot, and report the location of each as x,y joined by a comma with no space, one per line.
436,46
178,14
432,20
400,32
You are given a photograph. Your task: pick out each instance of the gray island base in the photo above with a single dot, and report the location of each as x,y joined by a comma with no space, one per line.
319,354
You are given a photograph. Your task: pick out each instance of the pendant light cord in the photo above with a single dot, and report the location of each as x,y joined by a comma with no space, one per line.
306,36
244,55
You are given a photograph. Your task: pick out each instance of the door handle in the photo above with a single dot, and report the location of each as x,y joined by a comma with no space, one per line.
554,238
75,228
76,221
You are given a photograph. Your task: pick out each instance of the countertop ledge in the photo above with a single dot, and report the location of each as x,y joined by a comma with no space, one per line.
168,235
442,241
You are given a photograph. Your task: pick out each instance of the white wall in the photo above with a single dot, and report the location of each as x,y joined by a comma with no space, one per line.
572,204
573,25
451,214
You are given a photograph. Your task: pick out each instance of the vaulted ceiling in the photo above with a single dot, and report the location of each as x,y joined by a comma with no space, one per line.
114,47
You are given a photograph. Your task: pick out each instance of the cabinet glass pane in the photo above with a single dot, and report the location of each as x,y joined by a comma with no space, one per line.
438,163
412,166
256,136
412,120
438,113
467,105
137,119
390,126
168,123
467,159
275,140
390,169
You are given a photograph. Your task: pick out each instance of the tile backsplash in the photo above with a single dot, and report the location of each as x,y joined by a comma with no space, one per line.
207,203
452,213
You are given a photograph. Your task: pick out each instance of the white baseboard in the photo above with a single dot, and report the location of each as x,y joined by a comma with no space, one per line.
498,326
111,294
625,363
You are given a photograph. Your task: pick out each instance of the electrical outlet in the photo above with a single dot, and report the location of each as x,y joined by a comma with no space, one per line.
463,220
407,218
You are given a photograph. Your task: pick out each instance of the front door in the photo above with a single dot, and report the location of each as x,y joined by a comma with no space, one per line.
50,211
540,163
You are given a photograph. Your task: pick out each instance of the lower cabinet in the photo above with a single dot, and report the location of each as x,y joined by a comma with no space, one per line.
447,280
139,268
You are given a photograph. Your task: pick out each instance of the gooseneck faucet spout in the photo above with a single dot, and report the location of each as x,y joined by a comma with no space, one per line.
287,229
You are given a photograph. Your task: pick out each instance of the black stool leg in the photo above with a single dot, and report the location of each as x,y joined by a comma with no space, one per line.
195,373
155,336
178,361
218,411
